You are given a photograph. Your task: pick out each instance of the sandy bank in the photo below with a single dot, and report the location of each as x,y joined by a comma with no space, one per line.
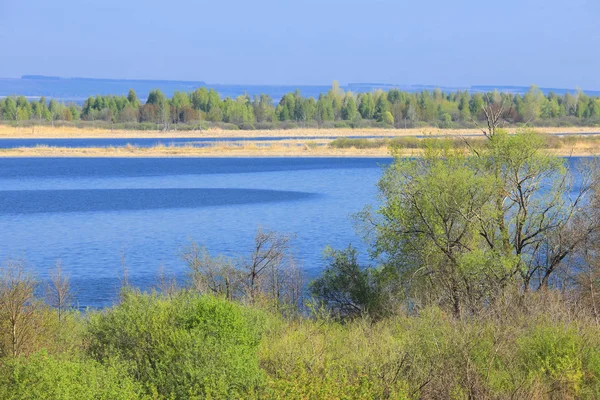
232,151
47,132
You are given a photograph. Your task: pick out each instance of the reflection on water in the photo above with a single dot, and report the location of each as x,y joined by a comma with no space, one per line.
85,200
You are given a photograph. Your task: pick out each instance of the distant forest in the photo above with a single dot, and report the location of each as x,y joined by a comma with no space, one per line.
205,108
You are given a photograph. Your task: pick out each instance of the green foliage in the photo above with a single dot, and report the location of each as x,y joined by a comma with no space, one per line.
457,225
347,289
188,345
432,355
555,357
184,346
42,376
322,359
388,118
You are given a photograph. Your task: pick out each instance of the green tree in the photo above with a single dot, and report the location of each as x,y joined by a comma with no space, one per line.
11,112
132,98
366,105
381,107
157,99
180,103
325,110
263,108
476,105
458,226
388,118
426,107
349,109
463,107
346,289
533,102
286,108
199,99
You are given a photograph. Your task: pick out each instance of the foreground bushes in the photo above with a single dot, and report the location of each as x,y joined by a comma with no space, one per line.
60,378
184,345
434,356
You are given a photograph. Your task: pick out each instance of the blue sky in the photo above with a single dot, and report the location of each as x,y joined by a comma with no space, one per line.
550,43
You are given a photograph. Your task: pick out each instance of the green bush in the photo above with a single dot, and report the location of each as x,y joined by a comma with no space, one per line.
184,346
341,124
56,378
358,143
246,126
554,357
322,359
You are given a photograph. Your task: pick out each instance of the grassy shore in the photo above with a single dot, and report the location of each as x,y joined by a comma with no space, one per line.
304,142
567,146
225,150
47,132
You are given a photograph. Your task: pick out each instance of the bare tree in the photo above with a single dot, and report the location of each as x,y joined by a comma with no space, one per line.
269,272
166,283
270,250
494,110
17,306
283,283
124,270
212,275
58,290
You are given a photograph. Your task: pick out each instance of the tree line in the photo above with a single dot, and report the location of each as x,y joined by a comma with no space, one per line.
393,108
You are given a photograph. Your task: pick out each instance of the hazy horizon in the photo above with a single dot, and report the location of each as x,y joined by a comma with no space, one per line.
274,42
291,84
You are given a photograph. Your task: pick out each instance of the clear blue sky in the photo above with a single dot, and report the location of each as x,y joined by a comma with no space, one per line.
551,43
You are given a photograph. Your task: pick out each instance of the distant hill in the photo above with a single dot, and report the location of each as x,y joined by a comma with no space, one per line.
78,89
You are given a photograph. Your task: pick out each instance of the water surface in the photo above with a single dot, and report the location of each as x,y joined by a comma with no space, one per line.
93,213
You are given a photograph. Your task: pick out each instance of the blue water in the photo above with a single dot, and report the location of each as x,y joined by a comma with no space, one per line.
140,142
90,212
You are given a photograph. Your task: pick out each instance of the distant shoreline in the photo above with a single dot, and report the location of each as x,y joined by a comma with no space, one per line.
301,143
250,151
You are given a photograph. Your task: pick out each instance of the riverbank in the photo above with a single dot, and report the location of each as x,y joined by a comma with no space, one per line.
293,143
248,150
294,149
48,132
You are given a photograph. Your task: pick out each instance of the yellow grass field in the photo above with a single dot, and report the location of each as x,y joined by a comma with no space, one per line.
291,148
305,142
48,132
224,150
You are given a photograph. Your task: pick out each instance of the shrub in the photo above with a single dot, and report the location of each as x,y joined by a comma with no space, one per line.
322,359
345,288
388,118
188,345
246,126
288,125
341,124
358,143
229,127
266,125
56,378
553,357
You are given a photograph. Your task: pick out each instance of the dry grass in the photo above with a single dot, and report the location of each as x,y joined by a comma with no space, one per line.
341,147
305,149
248,150
72,132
